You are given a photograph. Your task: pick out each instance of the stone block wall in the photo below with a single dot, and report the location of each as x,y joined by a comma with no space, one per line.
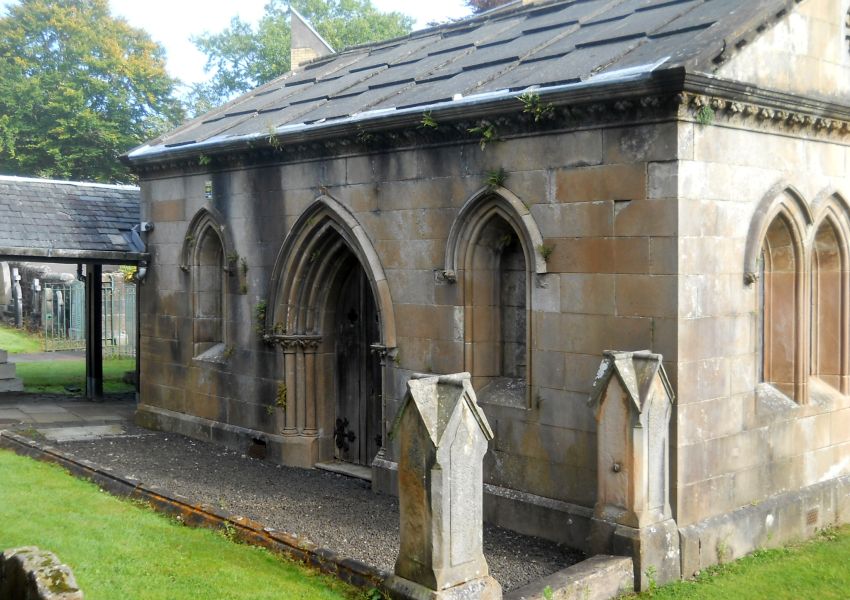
739,442
604,201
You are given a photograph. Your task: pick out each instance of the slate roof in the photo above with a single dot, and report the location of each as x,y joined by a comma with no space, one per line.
545,44
54,219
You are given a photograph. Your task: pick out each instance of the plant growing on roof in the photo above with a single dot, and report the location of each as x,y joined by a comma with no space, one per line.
260,317
280,397
497,177
428,121
486,132
705,115
274,141
363,136
545,251
532,105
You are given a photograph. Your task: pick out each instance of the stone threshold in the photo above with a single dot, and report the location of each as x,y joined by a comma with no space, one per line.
348,469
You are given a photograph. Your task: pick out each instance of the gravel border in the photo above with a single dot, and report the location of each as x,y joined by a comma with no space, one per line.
334,511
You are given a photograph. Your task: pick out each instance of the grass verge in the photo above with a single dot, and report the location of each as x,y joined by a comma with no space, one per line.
813,569
120,549
55,376
18,341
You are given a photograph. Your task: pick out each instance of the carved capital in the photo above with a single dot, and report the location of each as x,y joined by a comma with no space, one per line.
291,343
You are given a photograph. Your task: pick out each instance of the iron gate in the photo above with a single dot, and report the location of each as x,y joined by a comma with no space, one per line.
63,315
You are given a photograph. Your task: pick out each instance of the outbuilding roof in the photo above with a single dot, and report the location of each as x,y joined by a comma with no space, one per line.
68,221
543,45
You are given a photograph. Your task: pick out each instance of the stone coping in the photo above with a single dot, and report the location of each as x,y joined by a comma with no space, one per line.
599,577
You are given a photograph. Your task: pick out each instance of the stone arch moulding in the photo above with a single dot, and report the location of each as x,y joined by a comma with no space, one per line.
292,270
207,216
476,211
782,198
829,320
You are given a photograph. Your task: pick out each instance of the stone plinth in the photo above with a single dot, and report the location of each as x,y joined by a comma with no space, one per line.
632,515
443,436
33,574
8,381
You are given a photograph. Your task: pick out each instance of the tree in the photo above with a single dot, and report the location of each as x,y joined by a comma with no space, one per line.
242,57
479,6
80,87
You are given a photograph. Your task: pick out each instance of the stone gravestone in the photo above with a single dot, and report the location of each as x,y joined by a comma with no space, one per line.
443,435
17,299
5,287
632,517
8,381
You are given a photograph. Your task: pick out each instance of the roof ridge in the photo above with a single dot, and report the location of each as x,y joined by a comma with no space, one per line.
111,186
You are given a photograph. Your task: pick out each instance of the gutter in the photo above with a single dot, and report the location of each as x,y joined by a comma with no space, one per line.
627,83
58,255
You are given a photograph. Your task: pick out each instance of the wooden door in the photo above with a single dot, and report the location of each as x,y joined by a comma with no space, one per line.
357,434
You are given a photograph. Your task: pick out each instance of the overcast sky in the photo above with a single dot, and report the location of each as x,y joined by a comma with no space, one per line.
173,22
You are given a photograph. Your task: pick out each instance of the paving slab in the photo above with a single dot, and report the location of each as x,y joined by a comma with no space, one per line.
12,413
58,418
78,434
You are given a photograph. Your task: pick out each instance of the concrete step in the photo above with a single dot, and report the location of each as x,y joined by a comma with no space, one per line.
11,385
7,371
349,469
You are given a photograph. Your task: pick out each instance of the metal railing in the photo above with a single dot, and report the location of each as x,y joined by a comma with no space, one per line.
63,317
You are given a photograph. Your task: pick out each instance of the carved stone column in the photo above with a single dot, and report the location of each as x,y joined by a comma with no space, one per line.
443,435
290,348
632,516
311,345
301,379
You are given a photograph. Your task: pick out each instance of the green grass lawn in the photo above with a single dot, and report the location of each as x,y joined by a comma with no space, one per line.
118,549
54,376
814,569
18,341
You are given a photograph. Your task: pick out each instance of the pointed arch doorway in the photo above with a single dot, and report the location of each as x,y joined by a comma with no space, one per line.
357,427
332,317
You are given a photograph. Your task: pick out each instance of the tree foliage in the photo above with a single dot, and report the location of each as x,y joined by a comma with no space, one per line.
479,6
242,57
79,88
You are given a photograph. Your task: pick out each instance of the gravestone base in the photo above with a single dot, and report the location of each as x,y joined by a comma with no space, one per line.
8,381
484,588
654,549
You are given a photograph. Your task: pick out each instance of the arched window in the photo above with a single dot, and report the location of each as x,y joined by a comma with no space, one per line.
208,291
491,252
828,318
779,301
203,258
499,317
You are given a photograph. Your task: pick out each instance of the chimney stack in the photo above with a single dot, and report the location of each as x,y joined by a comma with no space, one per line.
307,44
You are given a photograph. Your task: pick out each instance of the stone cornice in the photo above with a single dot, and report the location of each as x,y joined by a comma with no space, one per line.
670,94
706,109
705,98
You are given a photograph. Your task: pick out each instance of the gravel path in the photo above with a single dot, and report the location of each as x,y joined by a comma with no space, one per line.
334,511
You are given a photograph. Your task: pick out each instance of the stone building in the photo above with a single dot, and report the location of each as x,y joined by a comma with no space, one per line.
511,195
